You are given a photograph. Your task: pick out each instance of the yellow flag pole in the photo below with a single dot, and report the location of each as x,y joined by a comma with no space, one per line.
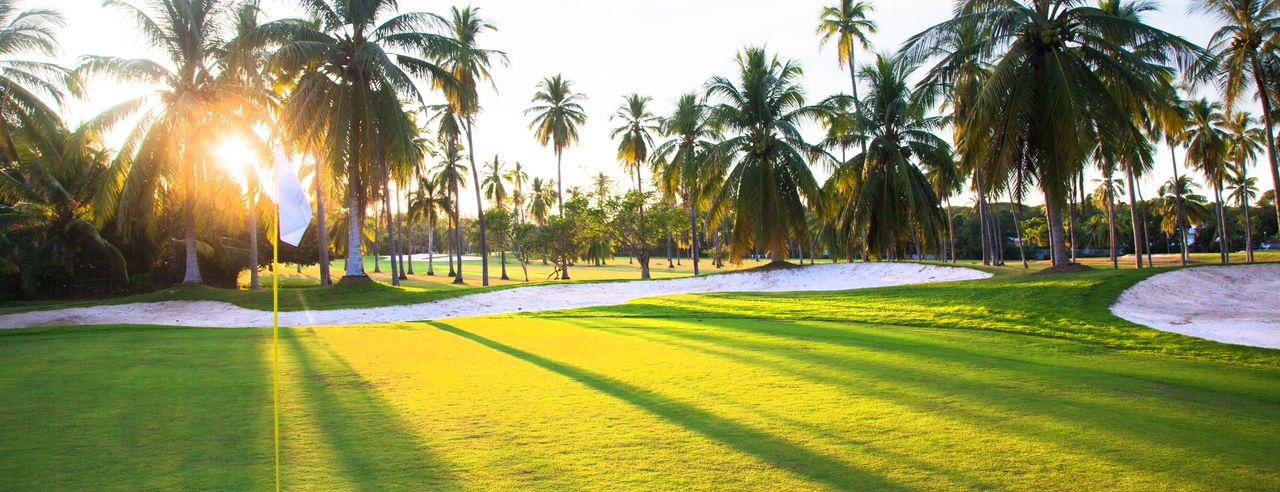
275,336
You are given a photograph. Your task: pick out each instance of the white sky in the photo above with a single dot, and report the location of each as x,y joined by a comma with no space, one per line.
659,48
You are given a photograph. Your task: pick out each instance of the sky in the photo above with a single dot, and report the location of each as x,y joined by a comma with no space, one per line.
657,48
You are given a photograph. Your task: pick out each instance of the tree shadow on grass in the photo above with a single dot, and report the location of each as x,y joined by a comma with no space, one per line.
765,446
375,448
1113,425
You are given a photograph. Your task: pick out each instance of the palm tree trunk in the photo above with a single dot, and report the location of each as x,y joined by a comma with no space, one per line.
322,231
951,231
1224,247
1071,217
559,184
377,240
192,275
1177,191
391,224
253,245
475,175
693,236
1133,218
1146,238
1248,226
457,213
1111,228
402,243
504,263
1017,227
1268,119
982,218
669,264
431,243
1057,238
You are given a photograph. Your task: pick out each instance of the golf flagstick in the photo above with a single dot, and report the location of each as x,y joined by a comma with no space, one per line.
293,214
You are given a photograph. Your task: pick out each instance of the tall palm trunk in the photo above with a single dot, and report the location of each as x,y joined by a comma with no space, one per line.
951,231
253,245
1017,227
504,264
559,184
1133,218
1057,236
391,225
457,214
431,244
403,242
1071,218
693,236
1224,245
987,250
644,262
322,231
1177,192
1248,227
1268,118
1146,238
475,176
192,275
1111,227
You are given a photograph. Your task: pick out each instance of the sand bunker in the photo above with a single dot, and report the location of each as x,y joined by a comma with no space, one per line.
1232,304
521,299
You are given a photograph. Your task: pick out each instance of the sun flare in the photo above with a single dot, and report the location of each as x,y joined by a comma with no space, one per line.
237,156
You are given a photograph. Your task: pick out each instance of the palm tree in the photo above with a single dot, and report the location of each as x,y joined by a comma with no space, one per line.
685,159
348,83
601,183
428,200
541,197
947,181
1170,123
1239,50
1047,101
770,179
468,64
895,203
518,178
1104,197
557,114
1244,188
1244,142
176,120
495,189
24,83
1179,194
47,211
1207,151
848,25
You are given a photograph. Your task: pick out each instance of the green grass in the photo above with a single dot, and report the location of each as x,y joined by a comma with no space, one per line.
1021,381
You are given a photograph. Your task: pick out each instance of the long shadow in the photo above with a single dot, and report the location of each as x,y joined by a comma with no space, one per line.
374,447
767,447
1143,429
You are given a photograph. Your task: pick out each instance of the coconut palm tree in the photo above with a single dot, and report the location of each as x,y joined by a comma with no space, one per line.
770,181
495,189
1180,194
847,24
541,197
895,203
1239,51
350,70
685,158
1207,151
601,183
1045,104
1244,189
426,203
557,114
25,83
1170,124
1245,141
1104,198
46,208
175,121
518,178
468,66
448,137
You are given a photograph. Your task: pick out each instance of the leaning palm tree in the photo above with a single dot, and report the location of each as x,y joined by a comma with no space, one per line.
175,121
1207,151
350,70
1045,104
469,65
1244,141
895,203
848,25
685,159
557,114
24,83
1239,50
770,181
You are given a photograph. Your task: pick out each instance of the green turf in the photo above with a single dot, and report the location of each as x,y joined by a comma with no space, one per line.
934,386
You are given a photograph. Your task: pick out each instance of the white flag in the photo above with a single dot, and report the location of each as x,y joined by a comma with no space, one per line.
295,210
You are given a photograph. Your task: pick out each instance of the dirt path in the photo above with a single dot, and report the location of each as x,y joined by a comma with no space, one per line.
533,298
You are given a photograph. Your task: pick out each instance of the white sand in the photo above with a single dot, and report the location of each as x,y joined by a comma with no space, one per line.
1232,304
533,298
